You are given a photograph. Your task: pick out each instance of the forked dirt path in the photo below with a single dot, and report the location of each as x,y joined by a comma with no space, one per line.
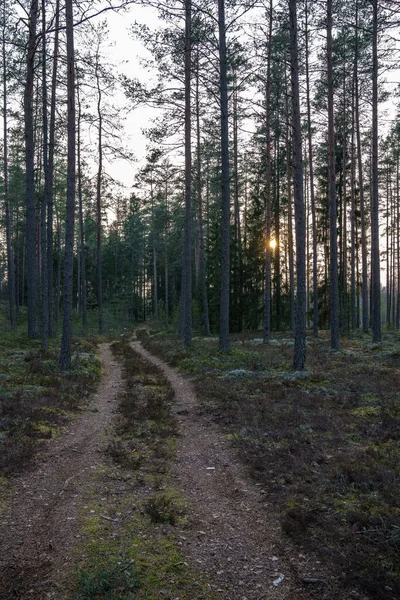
234,542
40,528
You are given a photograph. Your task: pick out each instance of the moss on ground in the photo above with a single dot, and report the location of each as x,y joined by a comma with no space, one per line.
36,398
133,522
326,447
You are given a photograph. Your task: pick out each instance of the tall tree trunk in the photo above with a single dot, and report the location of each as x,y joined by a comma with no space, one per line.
99,182
389,247
299,354
290,228
344,297
333,266
66,339
312,189
202,258
166,251
81,257
238,234
375,254
277,252
31,221
397,317
44,202
186,291
57,302
10,254
225,192
154,252
268,249
17,259
353,218
50,165
364,256
23,274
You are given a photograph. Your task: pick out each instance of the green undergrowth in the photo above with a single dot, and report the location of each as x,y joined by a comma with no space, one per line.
36,398
135,521
323,446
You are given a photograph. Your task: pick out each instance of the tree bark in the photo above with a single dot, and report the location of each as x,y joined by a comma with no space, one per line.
99,181
290,227
333,265
312,189
268,250
353,313
186,291
81,257
202,259
343,291
238,234
375,254
299,354
397,316
166,251
10,254
66,339
50,182
31,220
225,192
45,199
364,255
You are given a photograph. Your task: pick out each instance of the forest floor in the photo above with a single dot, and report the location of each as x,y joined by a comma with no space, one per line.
243,482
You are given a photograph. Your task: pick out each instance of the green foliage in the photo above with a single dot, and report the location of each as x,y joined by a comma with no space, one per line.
113,581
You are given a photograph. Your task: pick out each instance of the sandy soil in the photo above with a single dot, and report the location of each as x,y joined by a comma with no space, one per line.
235,541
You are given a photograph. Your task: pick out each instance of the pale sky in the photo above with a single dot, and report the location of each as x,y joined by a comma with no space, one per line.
126,53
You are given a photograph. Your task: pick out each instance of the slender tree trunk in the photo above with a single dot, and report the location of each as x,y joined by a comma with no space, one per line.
389,246
225,192
166,265
375,254
57,303
299,354
397,318
99,182
154,252
290,228
268,250
50,165
17,267
186,291
31,221
66,339
393,252
81,257
344,297
277,253
333,266
10,254
202,258
23,282
364,256
238,234
155,282
312,189
44,202
353,218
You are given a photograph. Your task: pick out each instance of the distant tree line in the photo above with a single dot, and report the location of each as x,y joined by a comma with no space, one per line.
270,193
